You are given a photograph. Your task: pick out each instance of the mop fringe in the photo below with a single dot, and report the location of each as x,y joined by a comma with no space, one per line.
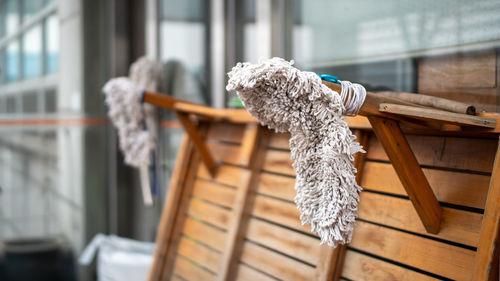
322,146
129,115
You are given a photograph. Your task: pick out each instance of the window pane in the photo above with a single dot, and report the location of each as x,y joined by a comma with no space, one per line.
183,46
12,61
50,101
370,29
31,7
186,10
32,52
11,16
30,102
51,44
11,103
250,32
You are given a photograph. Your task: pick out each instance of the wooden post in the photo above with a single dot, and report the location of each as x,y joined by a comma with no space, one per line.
483,262
170,211
255,144
198,141
409,172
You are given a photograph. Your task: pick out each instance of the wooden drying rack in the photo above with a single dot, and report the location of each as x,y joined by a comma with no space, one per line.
386,115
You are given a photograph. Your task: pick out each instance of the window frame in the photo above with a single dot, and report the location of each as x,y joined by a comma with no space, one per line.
46,82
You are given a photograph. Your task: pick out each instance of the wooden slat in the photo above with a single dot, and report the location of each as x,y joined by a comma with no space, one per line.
188,271
277,186
204,233
209,213
275,264
225,153
292,243
221,115
225,174
246,273
278,212
280,141
364,268
200,254
409,172
429,114
278,161
213,192
432,256
254,142
226,132
456,225
447,152
171,208
490,228
451,187
177,278
198,141
358,122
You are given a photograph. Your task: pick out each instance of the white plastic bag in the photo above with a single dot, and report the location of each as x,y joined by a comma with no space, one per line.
119,259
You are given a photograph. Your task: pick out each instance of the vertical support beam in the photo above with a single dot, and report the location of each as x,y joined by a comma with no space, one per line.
170,211
409,172
488,243
331,259
255,142
198,141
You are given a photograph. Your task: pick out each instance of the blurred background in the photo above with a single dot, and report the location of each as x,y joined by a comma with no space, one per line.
62,178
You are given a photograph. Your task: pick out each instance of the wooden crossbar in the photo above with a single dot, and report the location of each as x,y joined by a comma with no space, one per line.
385,113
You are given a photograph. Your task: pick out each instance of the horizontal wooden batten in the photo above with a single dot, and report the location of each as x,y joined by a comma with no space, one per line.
187,270
428,255
451,187
228,175
215,193
365,268
246,273
278,161
469,154
456,225
209,213
275,264
204,233
226,153
430,114
200,254
176,278
284,240
226,132
279,212
277,186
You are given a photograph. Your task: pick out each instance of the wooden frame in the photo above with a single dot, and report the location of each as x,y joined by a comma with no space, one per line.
385,124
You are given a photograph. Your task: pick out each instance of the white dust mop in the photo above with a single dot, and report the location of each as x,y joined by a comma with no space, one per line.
123,98
322,146
135,121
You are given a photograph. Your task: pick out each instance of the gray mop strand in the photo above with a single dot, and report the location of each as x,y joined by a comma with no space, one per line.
322,146
123,97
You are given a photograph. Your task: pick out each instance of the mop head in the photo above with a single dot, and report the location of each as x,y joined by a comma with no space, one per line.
322,146
129,115
123,98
